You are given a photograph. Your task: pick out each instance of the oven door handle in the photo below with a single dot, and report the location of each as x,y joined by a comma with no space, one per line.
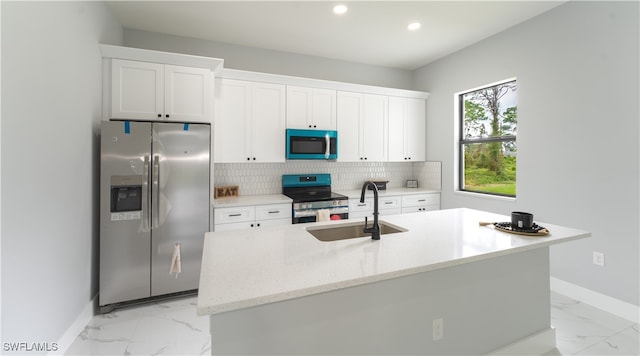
314,212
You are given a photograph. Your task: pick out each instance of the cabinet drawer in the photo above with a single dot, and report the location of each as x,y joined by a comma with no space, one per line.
275,211
355,205
234,215
420,200
389,202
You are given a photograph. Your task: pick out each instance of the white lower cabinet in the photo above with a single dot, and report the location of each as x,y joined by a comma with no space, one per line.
394,204
246,217
420,202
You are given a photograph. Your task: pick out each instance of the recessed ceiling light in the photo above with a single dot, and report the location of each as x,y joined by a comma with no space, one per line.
340,9
413,26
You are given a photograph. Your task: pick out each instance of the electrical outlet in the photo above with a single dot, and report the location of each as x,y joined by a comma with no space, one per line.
438,329
598,258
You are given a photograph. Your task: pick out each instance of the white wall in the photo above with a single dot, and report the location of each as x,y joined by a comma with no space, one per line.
274,62
51,96
578,153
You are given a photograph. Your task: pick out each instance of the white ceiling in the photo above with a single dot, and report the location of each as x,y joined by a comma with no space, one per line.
371,32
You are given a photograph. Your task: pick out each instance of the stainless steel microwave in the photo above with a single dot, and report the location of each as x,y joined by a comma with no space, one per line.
312,144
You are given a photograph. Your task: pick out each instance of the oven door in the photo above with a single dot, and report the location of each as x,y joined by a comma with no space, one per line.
311,215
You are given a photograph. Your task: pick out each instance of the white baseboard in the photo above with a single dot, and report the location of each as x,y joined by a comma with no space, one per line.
609,304
536,344
75,329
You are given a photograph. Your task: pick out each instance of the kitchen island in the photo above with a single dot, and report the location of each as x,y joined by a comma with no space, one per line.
444,286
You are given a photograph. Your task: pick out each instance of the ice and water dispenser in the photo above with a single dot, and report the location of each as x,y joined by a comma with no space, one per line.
126,197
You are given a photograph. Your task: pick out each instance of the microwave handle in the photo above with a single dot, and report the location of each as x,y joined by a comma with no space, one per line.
327,150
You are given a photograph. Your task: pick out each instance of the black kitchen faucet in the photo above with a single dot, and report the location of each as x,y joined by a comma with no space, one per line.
375,229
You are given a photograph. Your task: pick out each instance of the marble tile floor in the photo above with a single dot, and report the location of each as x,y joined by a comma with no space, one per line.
173,328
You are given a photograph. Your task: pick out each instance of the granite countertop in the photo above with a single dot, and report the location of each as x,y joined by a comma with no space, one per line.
250,267
230,202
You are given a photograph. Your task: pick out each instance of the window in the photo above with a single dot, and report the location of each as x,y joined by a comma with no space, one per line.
487,152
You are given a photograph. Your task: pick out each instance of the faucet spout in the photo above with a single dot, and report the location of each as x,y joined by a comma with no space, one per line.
375,228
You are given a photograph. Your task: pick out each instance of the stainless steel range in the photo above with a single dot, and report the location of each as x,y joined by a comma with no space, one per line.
313,198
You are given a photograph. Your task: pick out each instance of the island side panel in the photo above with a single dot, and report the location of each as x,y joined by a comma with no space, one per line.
485,305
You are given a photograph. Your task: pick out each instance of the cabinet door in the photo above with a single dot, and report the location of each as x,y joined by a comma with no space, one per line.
232,121
349,111
187,94
372,133
268,123
298,108
396,129
273,222
311,108
323,109
415,134
406,135
137,90
233,226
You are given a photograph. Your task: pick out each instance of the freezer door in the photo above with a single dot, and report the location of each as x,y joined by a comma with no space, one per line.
125,235
180,204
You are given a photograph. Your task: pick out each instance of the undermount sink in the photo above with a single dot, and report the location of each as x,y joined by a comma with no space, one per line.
349,231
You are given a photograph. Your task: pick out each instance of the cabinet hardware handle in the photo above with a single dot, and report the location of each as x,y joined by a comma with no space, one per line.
388,202
234,215
422,200
362,204
254,158
159,115
248,158
258,225
251,225
274,211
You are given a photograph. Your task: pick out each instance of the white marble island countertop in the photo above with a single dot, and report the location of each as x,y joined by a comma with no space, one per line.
251,267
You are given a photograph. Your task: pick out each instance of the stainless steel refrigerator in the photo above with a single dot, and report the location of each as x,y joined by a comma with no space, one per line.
154,208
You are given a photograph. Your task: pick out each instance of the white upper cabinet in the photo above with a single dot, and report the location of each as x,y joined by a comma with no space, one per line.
406,135
361,127
311,108
249,122
187,93
152,91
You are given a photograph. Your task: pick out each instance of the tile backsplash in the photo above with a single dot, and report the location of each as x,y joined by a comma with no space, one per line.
266,178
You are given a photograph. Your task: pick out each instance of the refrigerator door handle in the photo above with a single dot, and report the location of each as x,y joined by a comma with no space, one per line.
155,197
146,198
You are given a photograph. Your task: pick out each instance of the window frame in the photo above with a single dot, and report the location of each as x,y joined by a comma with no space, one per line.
462,141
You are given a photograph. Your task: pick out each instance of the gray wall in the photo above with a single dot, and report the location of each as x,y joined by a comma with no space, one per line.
578,153
51,109
274,62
